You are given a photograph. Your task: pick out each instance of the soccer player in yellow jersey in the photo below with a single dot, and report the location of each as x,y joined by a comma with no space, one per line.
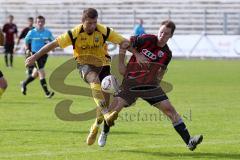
3,84
90,51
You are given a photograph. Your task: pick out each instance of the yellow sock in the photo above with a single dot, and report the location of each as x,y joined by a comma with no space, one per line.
1,92
98,95
99,116
98,121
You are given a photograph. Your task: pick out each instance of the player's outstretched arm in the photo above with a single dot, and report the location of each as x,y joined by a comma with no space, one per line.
141,59
122,53
44,50
126,45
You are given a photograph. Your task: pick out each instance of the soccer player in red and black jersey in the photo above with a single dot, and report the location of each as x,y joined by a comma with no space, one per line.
10,29
22,36
26,29
142,81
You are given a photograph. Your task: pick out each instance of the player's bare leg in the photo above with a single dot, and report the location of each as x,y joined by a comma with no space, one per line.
111,113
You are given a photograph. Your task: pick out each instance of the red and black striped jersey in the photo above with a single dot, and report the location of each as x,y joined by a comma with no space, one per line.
25,31
9,30
157,57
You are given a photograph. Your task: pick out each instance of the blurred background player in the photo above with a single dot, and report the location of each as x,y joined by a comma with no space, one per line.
90,51
35,40
26,29
144,81
22,36
3,84
139,29
9,29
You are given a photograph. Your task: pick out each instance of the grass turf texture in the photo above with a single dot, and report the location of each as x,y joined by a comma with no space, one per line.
205,92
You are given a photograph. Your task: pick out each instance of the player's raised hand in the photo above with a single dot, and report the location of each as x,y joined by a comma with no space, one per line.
141,59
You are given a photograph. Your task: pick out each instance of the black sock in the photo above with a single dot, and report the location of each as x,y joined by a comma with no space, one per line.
181,128
28,80
6,59
30,70
11,60
106,128
44,86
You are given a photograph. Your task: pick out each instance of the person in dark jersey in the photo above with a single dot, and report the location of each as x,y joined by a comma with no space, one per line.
144,81
22,36
9,29
26,29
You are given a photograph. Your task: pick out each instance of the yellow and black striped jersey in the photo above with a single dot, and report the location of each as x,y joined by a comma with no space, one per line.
90,49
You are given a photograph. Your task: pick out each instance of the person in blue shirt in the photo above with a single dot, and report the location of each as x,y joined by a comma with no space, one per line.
36,39
139,29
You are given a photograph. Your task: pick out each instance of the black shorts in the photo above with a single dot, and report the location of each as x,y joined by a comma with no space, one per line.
42,61
1,74
9,48
148,92
86,68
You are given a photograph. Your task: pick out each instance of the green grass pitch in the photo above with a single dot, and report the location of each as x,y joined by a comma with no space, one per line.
206,93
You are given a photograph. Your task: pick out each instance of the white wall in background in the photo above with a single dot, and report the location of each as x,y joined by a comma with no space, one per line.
196,46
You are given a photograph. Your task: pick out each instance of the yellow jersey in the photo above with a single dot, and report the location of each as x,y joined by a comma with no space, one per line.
90,49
